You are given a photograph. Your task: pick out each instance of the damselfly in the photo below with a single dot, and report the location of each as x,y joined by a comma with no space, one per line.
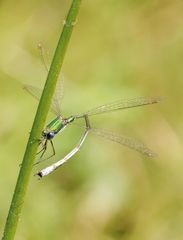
58,124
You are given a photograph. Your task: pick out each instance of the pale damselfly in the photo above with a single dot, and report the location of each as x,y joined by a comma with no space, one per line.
58,124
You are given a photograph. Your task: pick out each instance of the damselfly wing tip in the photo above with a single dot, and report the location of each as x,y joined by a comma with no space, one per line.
159,99
152,155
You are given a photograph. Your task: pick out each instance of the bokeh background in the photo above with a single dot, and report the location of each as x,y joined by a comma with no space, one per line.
119,49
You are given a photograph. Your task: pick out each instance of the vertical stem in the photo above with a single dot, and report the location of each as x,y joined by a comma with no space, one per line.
39,121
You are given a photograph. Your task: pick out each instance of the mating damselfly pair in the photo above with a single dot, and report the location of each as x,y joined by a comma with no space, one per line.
58,124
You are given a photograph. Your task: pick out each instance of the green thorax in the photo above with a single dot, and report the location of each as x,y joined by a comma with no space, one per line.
58,124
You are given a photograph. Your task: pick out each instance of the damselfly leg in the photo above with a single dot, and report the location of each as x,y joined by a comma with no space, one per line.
43,150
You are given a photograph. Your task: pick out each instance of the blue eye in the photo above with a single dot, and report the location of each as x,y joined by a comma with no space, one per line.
50,135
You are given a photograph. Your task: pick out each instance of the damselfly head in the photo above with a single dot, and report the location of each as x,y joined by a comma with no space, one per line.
48,135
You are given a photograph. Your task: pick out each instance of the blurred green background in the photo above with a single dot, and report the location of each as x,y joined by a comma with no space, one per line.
119,49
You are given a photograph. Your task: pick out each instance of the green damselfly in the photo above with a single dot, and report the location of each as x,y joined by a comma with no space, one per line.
58,124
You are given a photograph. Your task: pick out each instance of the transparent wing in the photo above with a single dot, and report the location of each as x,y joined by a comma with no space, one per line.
57,98
125,141
58,95
120,104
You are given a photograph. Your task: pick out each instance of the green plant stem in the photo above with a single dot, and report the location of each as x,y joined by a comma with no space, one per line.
39,121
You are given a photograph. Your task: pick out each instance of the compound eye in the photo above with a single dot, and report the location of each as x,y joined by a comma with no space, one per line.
44,133
50,135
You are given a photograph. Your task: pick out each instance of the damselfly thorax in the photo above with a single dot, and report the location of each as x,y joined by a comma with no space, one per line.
57,125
